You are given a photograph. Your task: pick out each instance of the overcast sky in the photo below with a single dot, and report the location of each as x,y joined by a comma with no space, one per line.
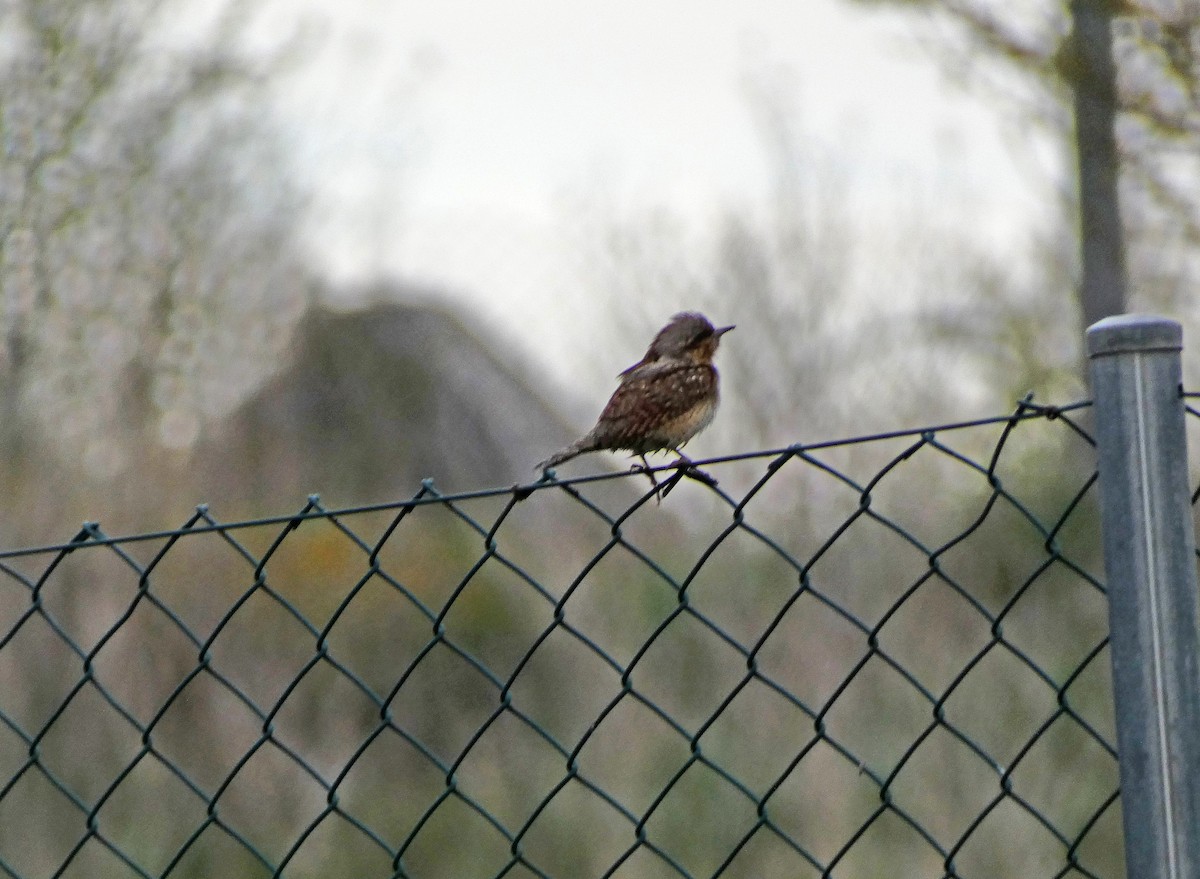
447,141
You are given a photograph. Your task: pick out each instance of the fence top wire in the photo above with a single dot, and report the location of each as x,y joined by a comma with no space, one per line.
428,494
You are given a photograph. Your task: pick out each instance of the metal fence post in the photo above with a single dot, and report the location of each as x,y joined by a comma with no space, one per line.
1150,564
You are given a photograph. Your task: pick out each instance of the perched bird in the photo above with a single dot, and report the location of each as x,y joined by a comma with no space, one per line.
664,399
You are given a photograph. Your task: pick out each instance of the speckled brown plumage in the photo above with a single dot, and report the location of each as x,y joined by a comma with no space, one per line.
664,400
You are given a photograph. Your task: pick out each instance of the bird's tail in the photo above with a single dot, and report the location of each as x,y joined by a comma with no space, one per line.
586,444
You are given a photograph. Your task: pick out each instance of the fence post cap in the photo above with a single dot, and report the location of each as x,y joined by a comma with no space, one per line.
1126,333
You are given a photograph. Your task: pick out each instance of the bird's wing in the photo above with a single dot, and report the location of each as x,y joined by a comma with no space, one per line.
641,404
624,373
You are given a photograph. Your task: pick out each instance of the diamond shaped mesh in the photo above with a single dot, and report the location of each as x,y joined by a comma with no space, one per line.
884,656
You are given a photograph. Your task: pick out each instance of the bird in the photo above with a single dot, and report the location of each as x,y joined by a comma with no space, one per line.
663,400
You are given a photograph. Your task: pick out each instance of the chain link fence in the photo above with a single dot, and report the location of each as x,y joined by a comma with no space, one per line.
879,656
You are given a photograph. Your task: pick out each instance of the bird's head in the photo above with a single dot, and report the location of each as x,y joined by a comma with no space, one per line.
688,336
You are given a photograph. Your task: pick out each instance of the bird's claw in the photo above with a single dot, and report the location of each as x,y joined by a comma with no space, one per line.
684,467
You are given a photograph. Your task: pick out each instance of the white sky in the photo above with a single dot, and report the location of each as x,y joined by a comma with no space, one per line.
445,138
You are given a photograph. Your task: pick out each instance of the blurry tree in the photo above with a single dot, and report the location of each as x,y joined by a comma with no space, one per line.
1101,236
1050,62
147,270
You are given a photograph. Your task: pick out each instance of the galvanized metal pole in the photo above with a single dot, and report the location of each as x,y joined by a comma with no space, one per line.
1154,608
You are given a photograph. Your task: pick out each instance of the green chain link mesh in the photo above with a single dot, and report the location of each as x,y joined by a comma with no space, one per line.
884,656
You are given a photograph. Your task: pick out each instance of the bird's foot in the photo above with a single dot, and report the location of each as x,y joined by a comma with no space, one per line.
685,467
644,467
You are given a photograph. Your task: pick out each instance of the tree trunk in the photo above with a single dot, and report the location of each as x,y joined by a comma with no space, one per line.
1101,237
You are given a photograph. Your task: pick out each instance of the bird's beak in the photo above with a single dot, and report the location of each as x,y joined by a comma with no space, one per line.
723,330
